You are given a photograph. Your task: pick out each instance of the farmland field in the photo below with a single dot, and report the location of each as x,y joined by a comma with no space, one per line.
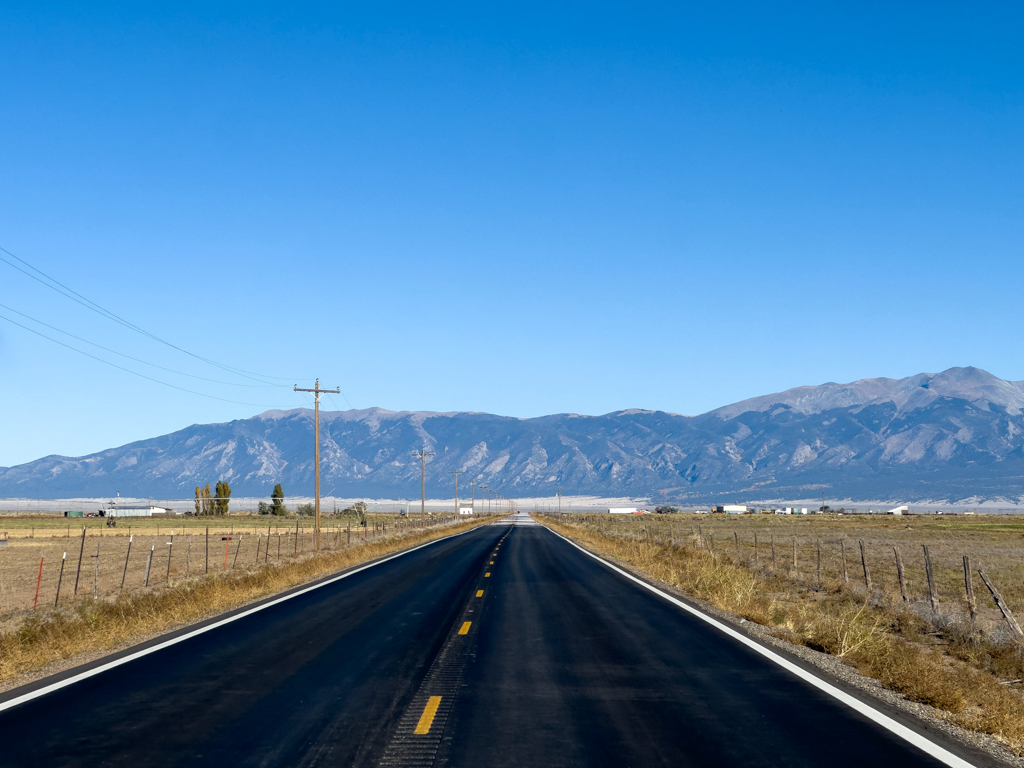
101,561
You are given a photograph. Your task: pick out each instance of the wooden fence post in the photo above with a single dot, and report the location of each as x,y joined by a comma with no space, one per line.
96,575
238,548
1011,622
149,562
864,565
81,552
60,578
170,553
901,575
972,606
842,552
933,596
207,549
126,556
773,550
39,581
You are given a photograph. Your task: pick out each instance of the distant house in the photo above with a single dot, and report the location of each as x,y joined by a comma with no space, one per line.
143,510
903,510
735,509
465,508
624,511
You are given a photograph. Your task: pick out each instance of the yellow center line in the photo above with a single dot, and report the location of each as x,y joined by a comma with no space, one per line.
427,718
465,627
491,563
479,593
487,575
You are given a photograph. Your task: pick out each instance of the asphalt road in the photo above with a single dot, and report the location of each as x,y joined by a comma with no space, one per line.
505,646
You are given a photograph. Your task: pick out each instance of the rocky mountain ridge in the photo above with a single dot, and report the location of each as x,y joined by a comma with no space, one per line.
950,436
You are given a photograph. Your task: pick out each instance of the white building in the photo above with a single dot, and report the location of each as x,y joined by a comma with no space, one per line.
465,508
735,509
624,511
144,510
903,510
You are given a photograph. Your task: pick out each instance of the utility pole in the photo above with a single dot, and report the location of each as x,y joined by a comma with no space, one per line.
423,482
559,499
456,472
473,486
482,489
316,432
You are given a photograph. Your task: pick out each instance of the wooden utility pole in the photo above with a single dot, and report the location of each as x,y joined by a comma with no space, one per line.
456,472
423,482
559,499
316,432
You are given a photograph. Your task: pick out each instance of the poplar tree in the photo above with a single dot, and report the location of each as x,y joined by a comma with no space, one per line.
223,495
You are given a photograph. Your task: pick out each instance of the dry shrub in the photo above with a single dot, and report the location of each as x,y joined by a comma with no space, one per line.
99,625
842,628
920,675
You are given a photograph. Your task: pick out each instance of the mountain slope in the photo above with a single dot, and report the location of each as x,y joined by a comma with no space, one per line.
953,435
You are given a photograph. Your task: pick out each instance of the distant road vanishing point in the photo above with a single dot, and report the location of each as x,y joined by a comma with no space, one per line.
503,646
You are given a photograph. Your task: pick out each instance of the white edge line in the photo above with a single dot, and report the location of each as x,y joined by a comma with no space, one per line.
905,733
189,635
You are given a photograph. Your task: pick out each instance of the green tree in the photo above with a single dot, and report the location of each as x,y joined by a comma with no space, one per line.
277,501
207,504
306,509
199,500
223,496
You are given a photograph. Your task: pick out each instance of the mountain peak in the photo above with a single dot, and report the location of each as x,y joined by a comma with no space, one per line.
971,384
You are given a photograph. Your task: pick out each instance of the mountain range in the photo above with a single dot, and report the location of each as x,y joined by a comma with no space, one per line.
951,436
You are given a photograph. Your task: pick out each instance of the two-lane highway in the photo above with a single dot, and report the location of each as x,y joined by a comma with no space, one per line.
505,646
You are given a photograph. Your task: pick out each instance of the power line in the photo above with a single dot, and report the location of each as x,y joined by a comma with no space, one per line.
135,359
134,373
78,298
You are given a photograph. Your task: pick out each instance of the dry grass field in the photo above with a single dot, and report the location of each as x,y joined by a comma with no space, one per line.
115,560
766,569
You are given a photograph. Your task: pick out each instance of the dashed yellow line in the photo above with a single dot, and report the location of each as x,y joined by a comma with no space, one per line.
479,593
487,575
465,627
427,718
491,563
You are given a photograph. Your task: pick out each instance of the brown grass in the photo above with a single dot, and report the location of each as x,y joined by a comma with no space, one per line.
88,626
52,538
939,660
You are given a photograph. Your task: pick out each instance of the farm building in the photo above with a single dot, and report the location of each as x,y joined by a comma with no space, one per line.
142,510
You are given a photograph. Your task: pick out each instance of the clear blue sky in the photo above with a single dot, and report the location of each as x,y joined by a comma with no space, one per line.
521,209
